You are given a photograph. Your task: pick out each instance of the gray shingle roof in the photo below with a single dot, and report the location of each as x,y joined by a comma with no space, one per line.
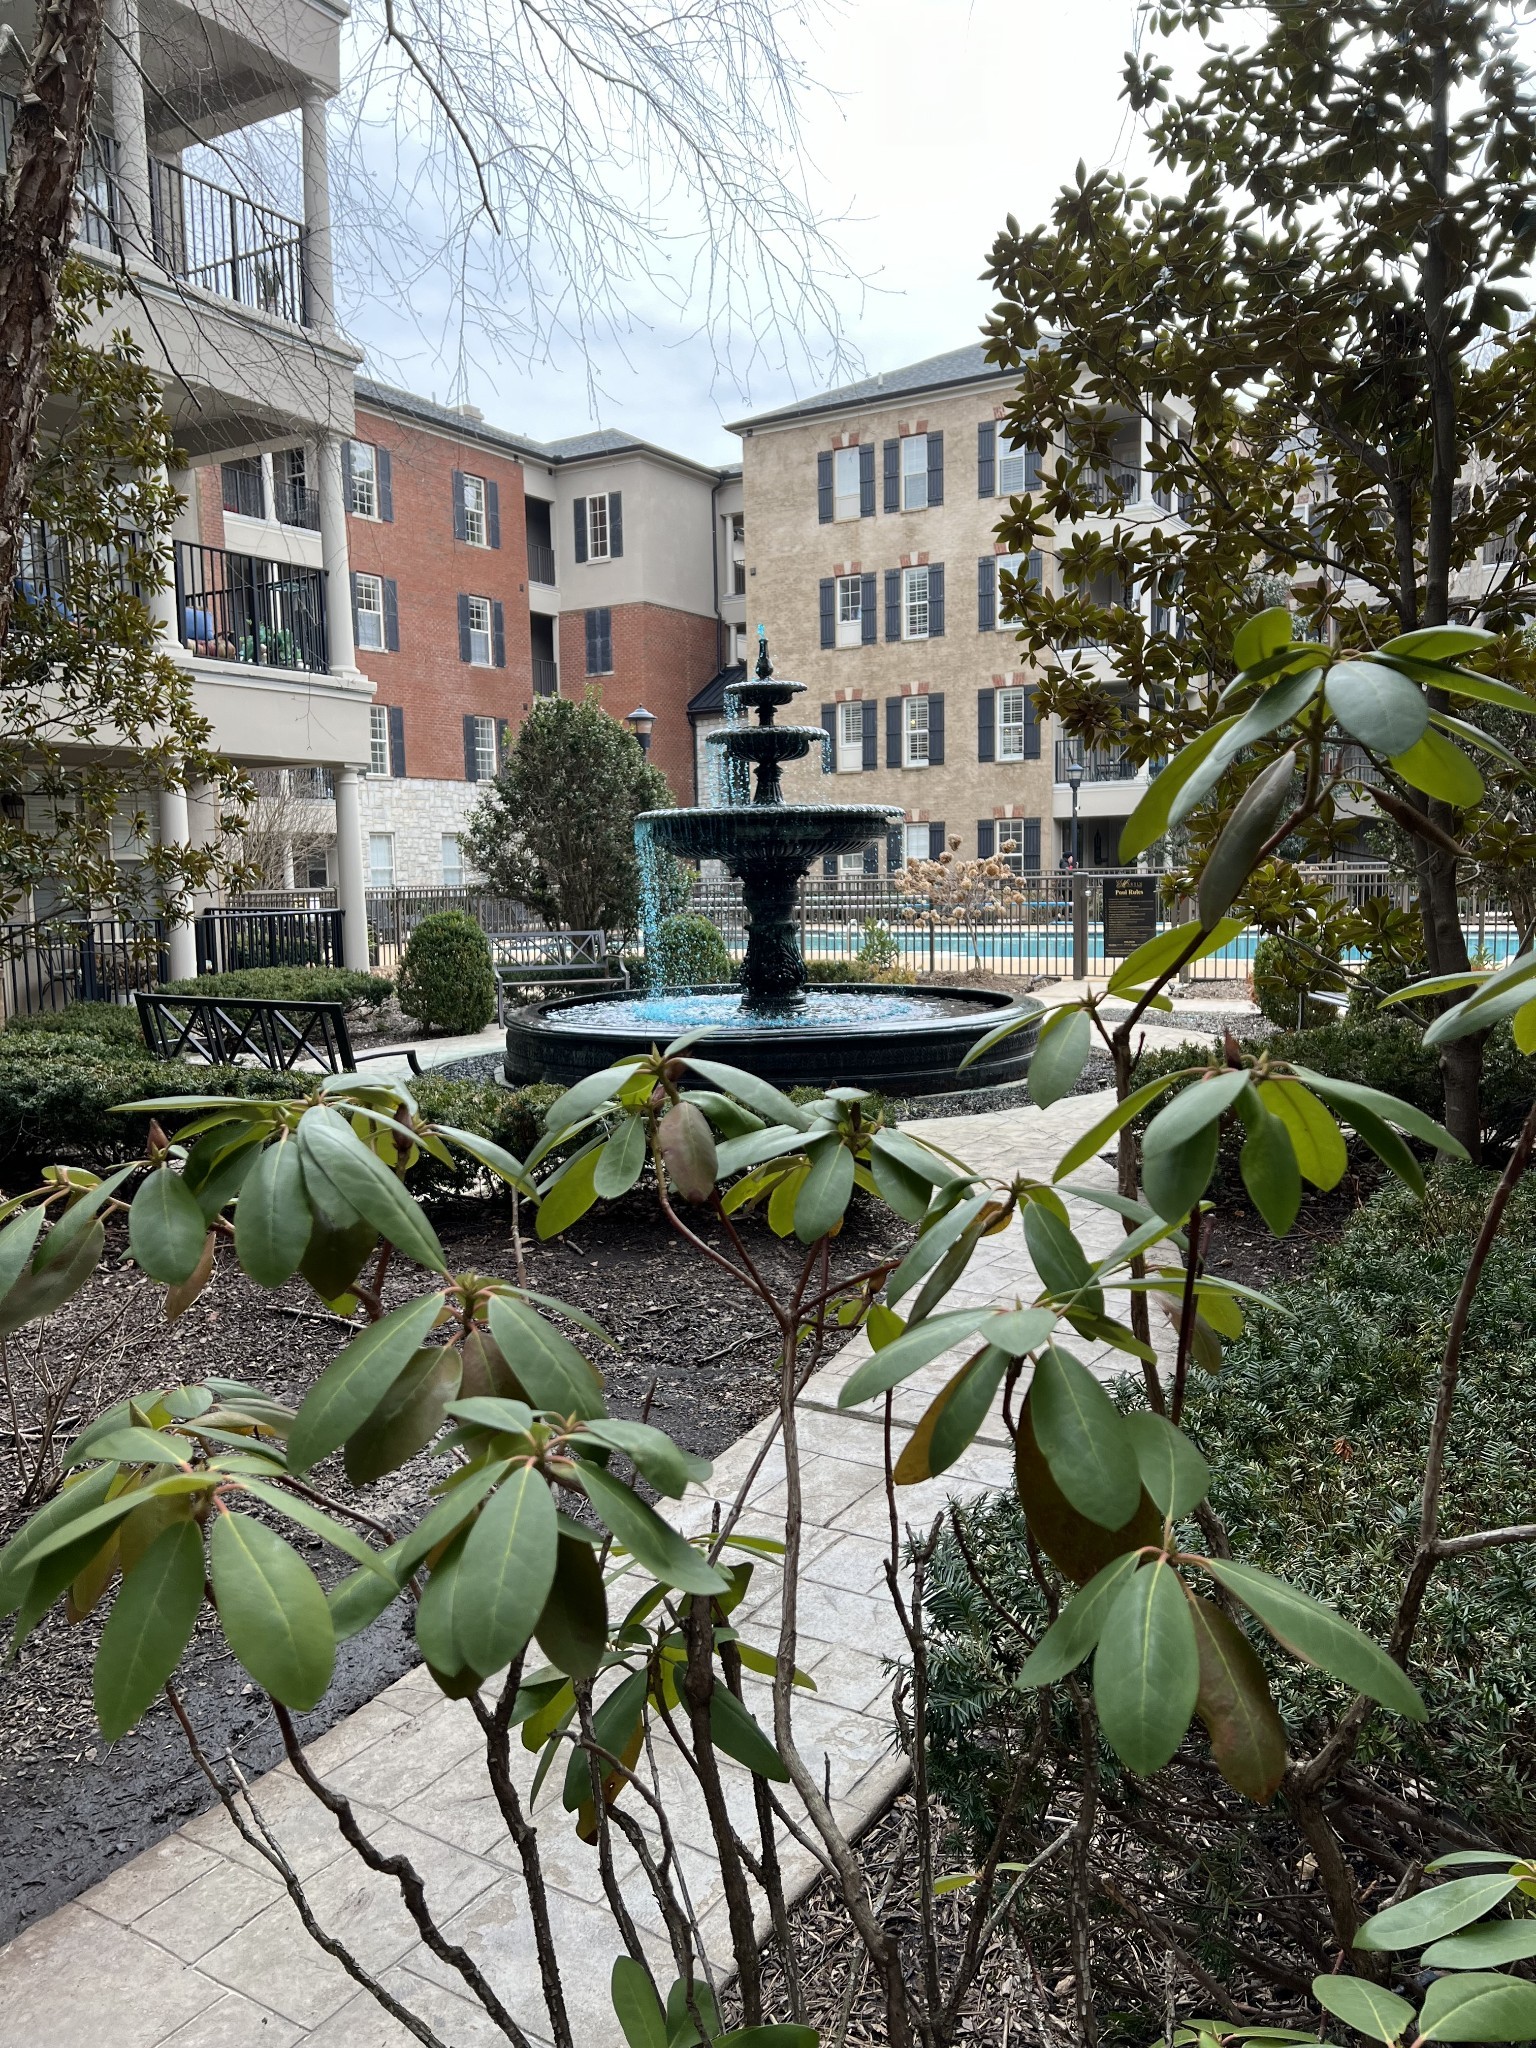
967,365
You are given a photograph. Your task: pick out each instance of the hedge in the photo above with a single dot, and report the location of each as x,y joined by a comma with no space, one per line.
292,984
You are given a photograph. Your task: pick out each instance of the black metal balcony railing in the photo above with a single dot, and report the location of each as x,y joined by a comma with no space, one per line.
1120,484
241,608
96,186
241,482
226,244
546,677
297,504
541,562
1101,764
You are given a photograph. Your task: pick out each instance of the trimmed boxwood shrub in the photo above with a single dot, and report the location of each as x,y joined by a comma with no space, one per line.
690,952
446,981
292,984
114,1023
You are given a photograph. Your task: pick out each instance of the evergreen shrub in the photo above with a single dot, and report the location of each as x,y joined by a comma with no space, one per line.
445,980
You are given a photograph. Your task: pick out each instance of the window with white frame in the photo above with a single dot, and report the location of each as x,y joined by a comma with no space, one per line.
368,603
914,732
317,869
915,841
597,528
1016,566
851,863
1013,467
738,555
850,737
476,531
364,480
914,472
453,861
914,604
1011,721
850,611
378,739
485,749
846,493
381,860
1010,844
739,645
479,614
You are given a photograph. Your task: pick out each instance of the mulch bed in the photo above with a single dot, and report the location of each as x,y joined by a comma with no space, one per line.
71,1809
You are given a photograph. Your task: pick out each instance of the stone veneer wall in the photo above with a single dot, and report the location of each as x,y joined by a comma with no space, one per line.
418,812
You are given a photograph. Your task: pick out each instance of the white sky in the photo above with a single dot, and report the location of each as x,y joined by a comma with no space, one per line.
949,115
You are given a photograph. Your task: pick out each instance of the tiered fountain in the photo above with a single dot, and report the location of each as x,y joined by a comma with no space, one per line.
902,1041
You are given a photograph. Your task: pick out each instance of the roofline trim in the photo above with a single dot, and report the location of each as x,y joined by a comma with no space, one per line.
867,402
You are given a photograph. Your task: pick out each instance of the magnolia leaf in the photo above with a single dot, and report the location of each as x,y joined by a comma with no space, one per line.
1376,705
1437,766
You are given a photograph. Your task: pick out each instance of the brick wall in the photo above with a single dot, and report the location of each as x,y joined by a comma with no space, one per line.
426,678
209,481
661,658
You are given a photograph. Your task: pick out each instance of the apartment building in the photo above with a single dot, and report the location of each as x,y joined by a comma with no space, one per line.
232,307
870,515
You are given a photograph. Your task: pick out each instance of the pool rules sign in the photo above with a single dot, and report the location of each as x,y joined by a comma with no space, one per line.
1130,913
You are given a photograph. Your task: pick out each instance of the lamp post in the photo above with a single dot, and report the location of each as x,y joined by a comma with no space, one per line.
640,722
1075,783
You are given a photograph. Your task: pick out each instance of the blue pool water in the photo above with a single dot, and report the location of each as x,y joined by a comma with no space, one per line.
822,1010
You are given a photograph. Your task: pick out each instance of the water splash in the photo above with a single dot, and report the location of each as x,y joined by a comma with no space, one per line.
649,855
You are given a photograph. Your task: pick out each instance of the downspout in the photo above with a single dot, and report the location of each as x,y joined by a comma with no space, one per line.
714,571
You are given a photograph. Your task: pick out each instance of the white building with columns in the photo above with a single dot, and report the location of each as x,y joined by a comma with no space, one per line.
232,306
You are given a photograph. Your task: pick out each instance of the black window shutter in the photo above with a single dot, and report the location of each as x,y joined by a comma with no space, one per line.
354,608
1031,469
615,524
1031,844
391,615
829,866
893,846
892,477
464,648
346,476
1032,570
1031,728
829,611
986,593
386,487
871,733
605,628
872,859
868,617
867,480
471,763
460,517
893,732
986,460
580,510
824,487
498,634
397,741
986,742
935,469
492,513
893,604
829,727
935,598
986,838
935,840
936,729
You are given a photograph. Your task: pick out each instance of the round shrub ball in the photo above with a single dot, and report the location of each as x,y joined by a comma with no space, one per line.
690,953
445,980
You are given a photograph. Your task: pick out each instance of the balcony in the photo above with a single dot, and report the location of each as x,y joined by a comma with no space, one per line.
546,677
242,491
241,608
541,562
227,245
95,188
1101,764
1119,484
297,504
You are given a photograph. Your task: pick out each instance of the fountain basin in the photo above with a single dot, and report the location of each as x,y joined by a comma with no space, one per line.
899,1041
755,835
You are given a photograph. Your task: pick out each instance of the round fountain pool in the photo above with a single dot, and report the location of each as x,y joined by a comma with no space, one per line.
900,1041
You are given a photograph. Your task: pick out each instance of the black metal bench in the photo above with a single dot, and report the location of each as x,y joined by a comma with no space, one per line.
275,1034
552,960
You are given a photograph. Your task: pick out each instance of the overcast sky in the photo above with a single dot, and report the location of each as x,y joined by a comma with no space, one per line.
949,115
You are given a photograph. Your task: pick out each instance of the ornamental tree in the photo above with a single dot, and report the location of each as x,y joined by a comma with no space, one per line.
1319,324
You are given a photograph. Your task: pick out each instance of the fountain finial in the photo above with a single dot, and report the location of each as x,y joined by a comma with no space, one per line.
764,665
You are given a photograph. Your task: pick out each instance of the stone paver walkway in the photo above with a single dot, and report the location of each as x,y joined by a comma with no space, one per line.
194,1945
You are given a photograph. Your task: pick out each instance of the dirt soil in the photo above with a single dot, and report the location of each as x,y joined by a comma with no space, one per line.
72,1808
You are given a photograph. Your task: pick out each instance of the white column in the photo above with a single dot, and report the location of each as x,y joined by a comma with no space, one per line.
126,90
351,873
319,290
176,830
333,556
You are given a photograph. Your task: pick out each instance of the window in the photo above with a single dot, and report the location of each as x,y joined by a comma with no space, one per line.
453,861
365,479
850,611
852,863
739,645
845,484
915,842
914,732
600,642
914,472
485,749
1018,468
317,869
368,603
738,555
242,487
597,528
1011,721
850,742
381,860
476,530
914,604
378,739
478,612
1016,566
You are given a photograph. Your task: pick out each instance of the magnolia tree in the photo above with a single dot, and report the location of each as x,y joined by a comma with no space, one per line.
946,891
575,1617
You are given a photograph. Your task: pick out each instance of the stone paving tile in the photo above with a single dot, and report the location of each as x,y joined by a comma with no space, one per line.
458,2022
236,2022
193,1921
155,1874
76,1979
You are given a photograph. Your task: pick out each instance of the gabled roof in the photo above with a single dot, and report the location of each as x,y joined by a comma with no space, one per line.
958,366
710,701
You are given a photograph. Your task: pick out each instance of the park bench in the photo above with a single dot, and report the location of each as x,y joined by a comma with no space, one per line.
547,960
275,1034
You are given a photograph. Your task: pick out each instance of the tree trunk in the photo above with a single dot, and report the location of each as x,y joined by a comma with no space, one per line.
36,221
